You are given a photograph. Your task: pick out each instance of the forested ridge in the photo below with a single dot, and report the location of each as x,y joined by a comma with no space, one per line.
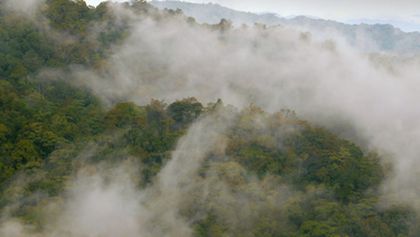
51,127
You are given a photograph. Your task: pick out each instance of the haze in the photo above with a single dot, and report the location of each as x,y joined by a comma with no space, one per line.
405,14
127,120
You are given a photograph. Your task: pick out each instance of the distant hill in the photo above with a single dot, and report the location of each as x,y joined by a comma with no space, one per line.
366,37
212,13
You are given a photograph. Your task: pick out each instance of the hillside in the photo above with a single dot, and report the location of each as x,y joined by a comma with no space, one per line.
126,120
368,38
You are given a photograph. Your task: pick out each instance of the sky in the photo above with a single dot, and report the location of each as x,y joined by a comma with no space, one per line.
403,13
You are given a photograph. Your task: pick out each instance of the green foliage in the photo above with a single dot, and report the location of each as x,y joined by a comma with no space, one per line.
25,154
336,163
185,111
125,114
208,227
71,16
49,128
23,48
262,160
317,229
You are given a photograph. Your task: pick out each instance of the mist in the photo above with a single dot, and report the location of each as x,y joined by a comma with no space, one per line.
26,8
325,81
104,200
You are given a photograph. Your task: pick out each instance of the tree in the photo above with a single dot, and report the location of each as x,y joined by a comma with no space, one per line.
25,155
125,114
185,111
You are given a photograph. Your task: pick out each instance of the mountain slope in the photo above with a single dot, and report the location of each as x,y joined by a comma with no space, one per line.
368,38
81,156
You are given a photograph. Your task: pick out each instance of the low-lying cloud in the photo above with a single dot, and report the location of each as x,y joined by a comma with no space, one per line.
106,202
23,7
323,81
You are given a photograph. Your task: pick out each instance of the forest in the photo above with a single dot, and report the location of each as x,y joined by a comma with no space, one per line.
231,170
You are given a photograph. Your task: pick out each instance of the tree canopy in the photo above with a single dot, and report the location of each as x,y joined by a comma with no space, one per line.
46,126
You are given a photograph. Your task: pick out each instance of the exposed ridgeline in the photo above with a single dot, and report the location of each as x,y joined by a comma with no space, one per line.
368,38
187,169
